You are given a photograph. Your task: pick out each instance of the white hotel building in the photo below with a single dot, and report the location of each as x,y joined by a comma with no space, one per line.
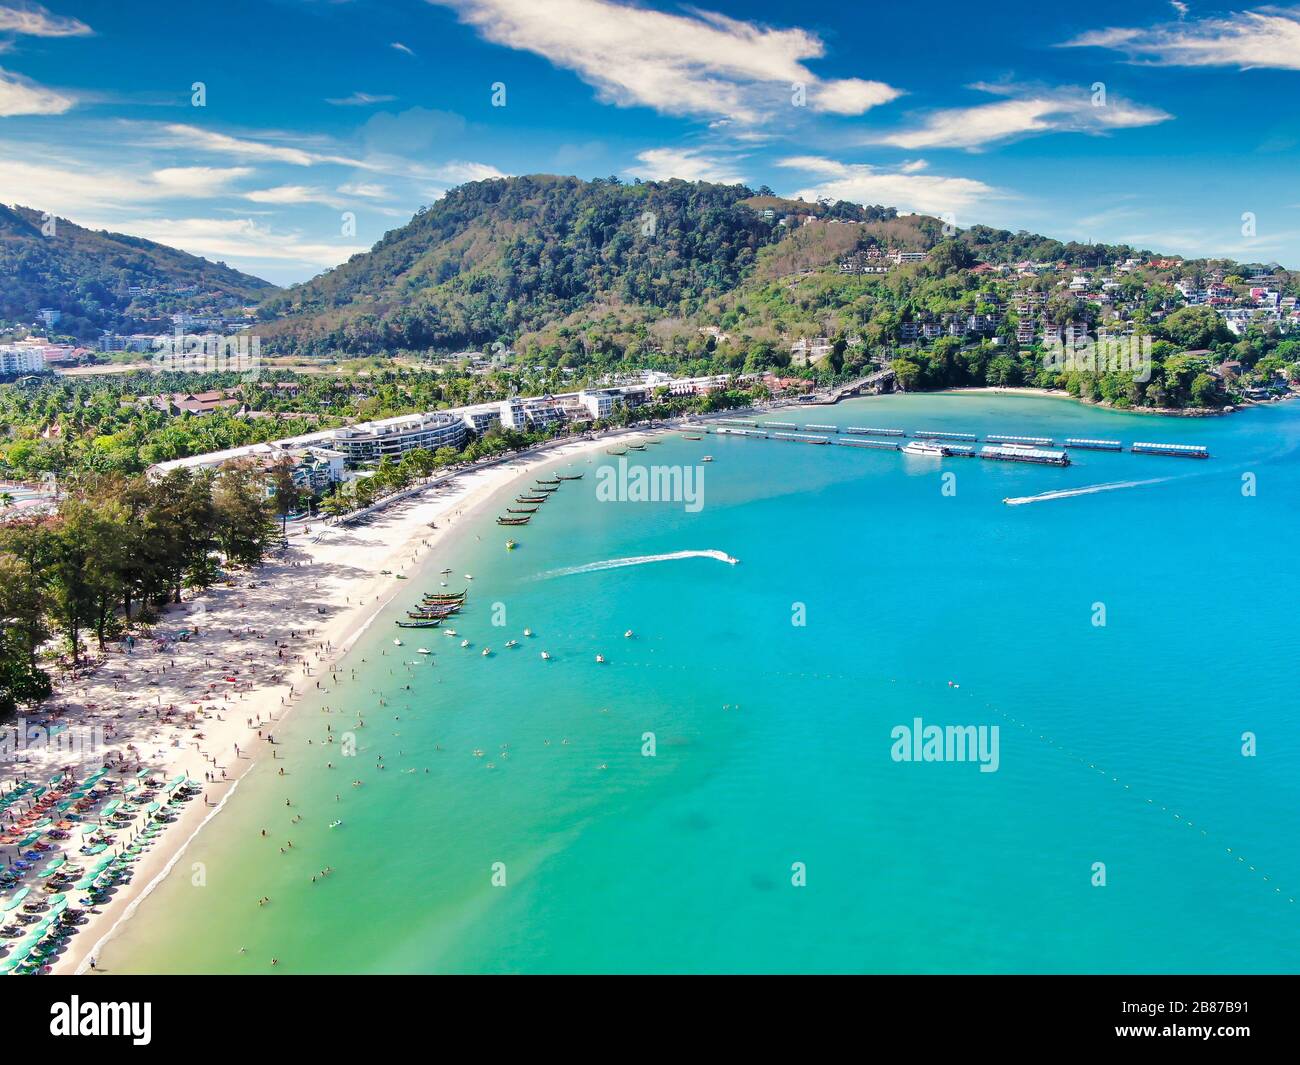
21,359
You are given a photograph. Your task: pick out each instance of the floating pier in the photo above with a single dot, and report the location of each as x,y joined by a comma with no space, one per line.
944,436
1012,453
1185,451
861,431
880,445
801,438
1095,445
1003,447
1033,441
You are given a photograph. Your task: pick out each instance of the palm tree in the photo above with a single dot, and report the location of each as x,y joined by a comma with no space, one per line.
6,500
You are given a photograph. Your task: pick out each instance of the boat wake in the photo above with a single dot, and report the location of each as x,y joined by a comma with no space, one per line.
639,560
1087,490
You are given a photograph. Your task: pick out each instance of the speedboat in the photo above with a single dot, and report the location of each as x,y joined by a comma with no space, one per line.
925,449
546,656
464,643
707,458
487,651
397,643
510,545
423,651
628,635
600,659
528,632
512,643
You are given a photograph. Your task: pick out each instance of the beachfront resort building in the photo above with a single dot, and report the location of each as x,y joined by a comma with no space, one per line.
600,402
394,437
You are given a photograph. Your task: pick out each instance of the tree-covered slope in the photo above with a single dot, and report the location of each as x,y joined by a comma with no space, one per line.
101,280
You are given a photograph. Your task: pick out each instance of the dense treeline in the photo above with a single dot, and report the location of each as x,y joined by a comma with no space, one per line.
117,549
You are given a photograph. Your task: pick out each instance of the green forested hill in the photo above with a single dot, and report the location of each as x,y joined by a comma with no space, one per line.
89,275
494,259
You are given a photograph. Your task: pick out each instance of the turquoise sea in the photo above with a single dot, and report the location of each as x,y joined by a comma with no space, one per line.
1119,744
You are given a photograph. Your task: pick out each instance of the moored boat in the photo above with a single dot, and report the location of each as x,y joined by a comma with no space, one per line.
424,623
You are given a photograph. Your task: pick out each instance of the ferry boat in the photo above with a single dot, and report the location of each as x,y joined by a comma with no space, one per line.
920,447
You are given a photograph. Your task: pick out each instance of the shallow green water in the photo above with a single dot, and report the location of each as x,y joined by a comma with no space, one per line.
1118,744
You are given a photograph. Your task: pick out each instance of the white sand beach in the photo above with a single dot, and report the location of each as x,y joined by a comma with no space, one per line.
206,705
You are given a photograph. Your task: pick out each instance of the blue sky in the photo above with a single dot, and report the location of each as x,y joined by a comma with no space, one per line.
1144,121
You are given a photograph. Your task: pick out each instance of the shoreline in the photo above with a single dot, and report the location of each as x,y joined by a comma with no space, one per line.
272,606
1060,393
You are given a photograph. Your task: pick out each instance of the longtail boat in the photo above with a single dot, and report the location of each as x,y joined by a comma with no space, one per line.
429,623
552,480
569,476
531,499
429,615
637,447
521,510
514,521
611,451
445,597
543,488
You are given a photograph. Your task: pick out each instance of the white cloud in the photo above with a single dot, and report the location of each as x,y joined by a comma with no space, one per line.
360,99
22,96
194,138
908,191
236,240
1036,111
699,63
186,136
401,47
197,180
370,191
459,171
32,20
659,164
284,195
1267,37
73,190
